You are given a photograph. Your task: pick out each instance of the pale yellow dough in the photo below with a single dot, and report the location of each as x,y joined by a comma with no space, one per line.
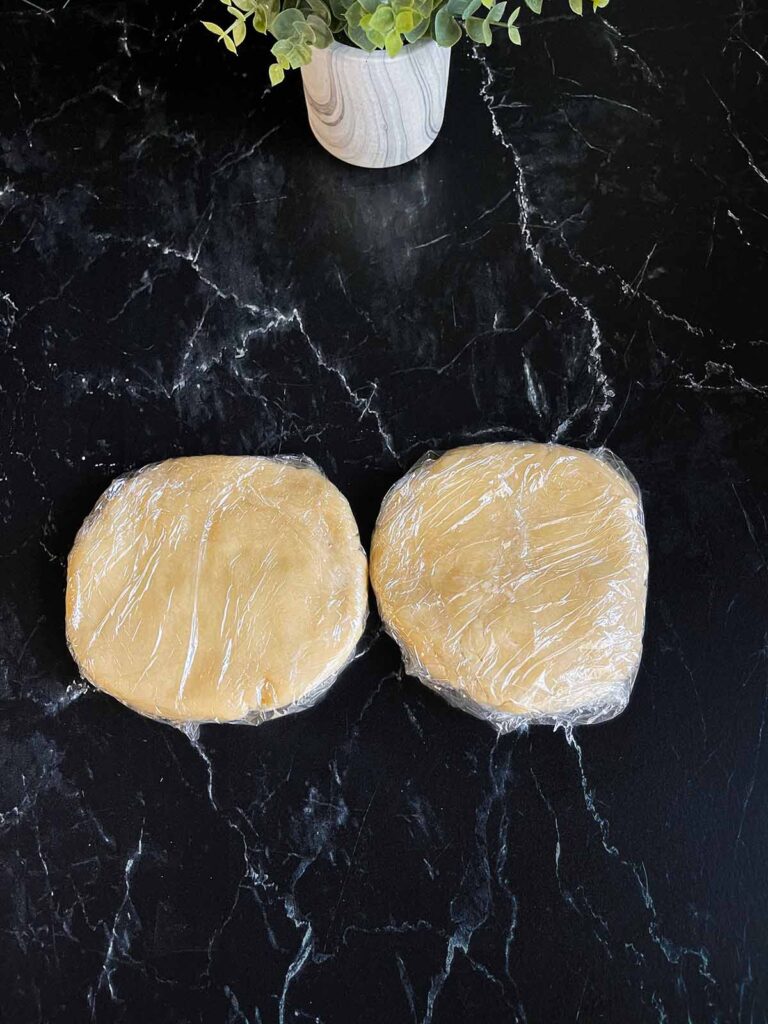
210,588
515,575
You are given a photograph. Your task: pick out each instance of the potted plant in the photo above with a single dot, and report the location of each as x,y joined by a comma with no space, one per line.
375,72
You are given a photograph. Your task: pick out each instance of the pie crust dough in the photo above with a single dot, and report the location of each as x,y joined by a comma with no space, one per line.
514,578
216,588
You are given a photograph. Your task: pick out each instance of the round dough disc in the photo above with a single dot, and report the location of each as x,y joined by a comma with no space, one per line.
209,588
515,576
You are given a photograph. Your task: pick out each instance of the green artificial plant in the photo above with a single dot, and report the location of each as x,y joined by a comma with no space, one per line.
299,25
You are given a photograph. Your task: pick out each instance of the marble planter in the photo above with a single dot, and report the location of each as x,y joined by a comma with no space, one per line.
373,110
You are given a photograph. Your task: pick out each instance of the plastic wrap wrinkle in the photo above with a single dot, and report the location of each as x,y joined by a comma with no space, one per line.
217,588
513,576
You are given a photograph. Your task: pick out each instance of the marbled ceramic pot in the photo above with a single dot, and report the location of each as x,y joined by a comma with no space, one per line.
373,110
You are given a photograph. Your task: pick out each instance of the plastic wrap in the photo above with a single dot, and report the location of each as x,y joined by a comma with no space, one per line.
513,576
217,589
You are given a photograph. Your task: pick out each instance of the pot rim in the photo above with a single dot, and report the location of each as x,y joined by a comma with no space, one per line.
356,53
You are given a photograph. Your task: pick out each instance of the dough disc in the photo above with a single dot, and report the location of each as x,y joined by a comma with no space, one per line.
210,588
513,576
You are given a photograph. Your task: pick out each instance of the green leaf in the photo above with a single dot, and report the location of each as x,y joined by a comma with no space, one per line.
575,6
514,34
383,20
320,10
354,15
447,30
393,43
276,74
470,8
599,3
323,35
513,16
405,21
479,31
496,13
238,32
340,8
290,55
418,31
212,28
284,24
302,54
535,5
357,35
223,37
281,52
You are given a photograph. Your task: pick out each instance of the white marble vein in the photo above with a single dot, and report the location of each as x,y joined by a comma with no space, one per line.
603,386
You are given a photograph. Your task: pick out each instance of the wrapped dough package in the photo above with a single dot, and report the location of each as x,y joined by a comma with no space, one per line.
217,589
513,577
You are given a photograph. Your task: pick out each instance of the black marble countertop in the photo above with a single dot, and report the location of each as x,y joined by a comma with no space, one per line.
581,256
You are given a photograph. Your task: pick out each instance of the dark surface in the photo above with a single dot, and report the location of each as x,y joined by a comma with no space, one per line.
580,256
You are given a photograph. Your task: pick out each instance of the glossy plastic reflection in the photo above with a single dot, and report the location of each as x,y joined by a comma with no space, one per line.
217,589
514,578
